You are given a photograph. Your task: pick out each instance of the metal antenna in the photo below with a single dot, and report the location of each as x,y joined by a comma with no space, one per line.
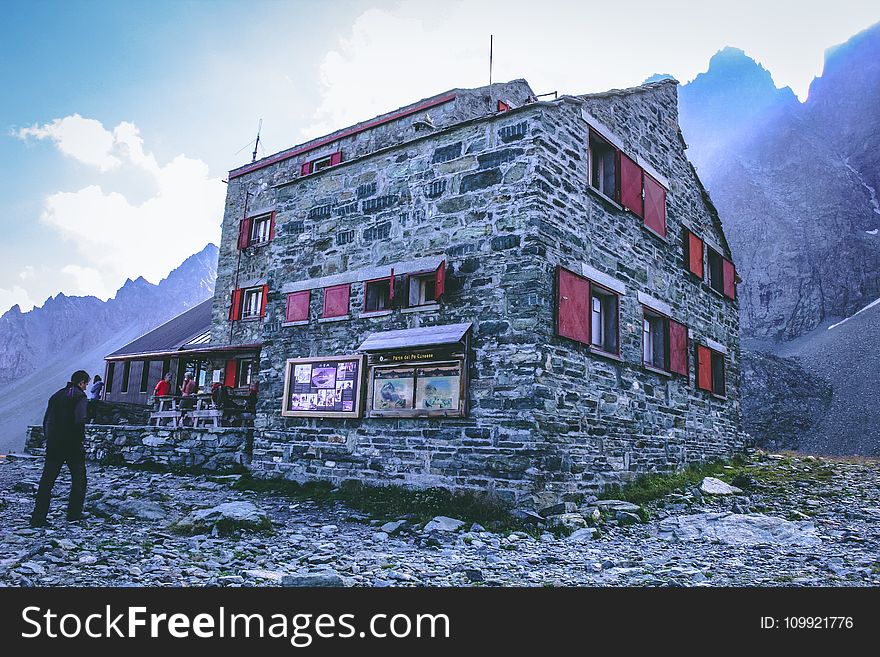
257,143
491,37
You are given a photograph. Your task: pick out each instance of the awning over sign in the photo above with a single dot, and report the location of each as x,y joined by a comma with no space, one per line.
424,336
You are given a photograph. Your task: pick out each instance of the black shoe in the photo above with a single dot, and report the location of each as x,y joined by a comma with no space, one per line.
78,518
38,522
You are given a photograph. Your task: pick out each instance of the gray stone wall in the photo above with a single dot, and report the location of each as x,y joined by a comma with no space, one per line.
613,419
203,449
505,200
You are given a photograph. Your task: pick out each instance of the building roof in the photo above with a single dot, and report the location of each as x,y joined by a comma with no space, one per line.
424,336
174,334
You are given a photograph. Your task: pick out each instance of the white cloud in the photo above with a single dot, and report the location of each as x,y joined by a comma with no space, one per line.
15,295
115,237
83,139
88,281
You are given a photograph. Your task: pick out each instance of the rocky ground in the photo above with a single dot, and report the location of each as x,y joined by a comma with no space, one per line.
799,521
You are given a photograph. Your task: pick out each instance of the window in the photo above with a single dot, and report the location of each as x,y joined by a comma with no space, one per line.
603,166
587,312
377,295
664,343
603,319
422,289
126,371
260,230
710,371
426,288
253,301
145,375
247,372
336,300
654,340
111,369
722,274
321,163
254,231
248,303
716,270
297,308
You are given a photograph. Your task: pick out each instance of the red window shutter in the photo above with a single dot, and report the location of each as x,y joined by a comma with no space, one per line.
572,306
694,254
655,205
678,354
231,372
298,306
440,281
704,368
235,307
336,158
631,185
244,233
729,279
263,299
336,301
272,227
306,169
502,106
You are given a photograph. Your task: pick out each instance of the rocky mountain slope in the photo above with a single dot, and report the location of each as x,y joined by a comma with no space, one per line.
847,356
796,184
39,349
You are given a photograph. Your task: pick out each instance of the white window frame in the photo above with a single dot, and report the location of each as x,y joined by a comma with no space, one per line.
322,163
420,281
251,303
260,228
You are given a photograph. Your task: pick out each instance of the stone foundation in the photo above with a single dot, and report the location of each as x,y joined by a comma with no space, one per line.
204,449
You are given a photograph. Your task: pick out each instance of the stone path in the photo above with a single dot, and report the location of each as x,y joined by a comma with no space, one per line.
808,522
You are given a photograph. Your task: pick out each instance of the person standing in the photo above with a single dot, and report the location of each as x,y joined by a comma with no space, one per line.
64,428
94,395
163,388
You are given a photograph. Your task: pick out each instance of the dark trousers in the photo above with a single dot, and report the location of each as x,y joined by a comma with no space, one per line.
52,468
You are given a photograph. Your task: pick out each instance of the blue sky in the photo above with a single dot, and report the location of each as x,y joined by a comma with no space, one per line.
120,119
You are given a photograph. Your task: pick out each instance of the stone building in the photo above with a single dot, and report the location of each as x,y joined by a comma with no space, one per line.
485,291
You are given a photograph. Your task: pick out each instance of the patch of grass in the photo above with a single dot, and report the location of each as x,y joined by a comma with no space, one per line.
391,502
650,487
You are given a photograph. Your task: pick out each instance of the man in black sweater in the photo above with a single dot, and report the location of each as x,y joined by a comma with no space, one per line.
64,429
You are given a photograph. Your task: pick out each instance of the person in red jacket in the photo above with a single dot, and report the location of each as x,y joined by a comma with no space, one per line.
163,388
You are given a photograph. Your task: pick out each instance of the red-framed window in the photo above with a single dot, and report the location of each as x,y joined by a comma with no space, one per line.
722,273
711,374
248,303
321,163
426,287
256,230
297,306
336,300
587,312
664,342
619,177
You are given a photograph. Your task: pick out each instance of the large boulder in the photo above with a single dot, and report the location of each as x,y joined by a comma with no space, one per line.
443,524
738,529
227,517
111,506
713,486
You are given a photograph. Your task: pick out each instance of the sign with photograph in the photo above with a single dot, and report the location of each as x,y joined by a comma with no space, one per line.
323,387
417,390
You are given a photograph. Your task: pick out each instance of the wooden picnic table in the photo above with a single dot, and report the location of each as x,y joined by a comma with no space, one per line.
200,410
